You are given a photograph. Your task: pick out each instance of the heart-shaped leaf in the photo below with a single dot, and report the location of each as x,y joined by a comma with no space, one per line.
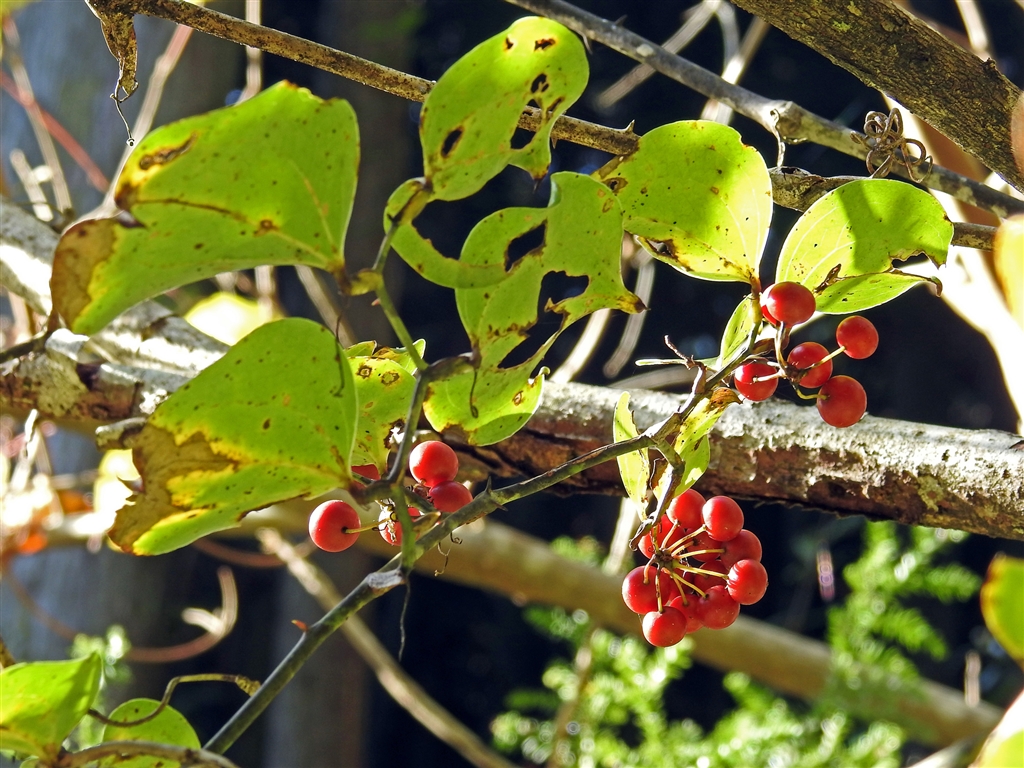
273,419
42,702
269,181
384,387
697,197
845,246
579,236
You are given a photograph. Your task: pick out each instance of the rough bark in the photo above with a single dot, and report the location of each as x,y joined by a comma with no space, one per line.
902,56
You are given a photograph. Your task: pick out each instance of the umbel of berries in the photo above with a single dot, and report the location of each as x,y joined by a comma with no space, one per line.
702,566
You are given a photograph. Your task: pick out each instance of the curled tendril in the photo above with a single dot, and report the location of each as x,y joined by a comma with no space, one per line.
887,145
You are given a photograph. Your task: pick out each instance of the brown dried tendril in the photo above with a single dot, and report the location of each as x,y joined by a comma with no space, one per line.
887,145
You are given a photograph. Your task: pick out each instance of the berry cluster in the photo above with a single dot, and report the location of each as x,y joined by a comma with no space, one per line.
841,400
702,566
334,525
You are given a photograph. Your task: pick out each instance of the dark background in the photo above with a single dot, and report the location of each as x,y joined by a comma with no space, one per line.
469,649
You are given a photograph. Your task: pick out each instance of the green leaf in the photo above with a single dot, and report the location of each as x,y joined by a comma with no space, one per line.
384,388
168,727
697,197
737,331
269,181
1002,606
634,467
692,445
273,419
41,702
844,247
470,115
581,237
1005,745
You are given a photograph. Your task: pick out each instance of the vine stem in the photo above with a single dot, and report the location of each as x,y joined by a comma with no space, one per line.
184,756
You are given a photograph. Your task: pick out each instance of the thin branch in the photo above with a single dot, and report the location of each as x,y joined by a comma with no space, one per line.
406,692
61,194
783,118
371,587
885,47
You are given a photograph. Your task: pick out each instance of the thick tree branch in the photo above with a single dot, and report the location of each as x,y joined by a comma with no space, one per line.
913,473
916,474
967,99
786,120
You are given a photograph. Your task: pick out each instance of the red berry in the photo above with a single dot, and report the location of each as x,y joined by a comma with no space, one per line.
665,628
746,546
842,402
755,390
641,595
717,609
390,529
327,526
689,610
685,509
703,582
433,463
788,303
367,470
765,313
859,336
450,496
707,546
748,581
803,356
723,518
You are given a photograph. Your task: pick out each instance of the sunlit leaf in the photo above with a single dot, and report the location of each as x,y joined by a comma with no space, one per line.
470,115
274,419
634,467
168,727
41,702
1009,264
691,444
845,246
698,197
1005,746
227,317
580,235
737,331
269,181
384,387
1002,604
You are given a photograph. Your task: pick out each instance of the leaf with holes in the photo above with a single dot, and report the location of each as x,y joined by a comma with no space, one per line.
470,115
579,235
273,419
692,445
384,387
42,702
466,128
845,246
698,198
1001,604
634,467
269,181
168,727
